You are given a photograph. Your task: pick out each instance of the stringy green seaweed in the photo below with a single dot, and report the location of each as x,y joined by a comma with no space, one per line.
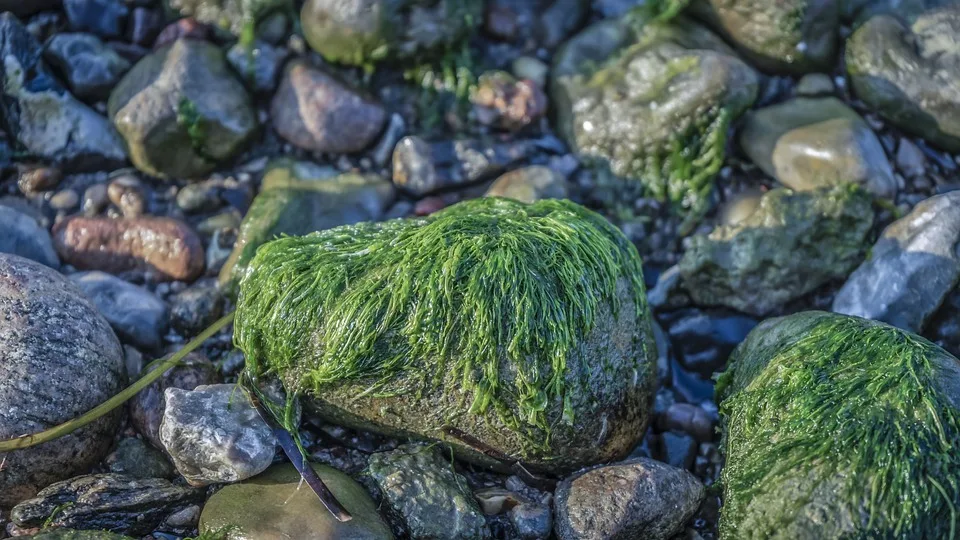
480,282
850,396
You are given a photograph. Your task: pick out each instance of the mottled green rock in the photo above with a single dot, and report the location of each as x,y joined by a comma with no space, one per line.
911,75
236,16
524,327
653,101
182,110
363,32
426,494
69,534
791,244
810,143
277,506
298,198
796,36
839,427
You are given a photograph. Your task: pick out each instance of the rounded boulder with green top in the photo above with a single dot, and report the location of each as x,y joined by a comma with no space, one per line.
652,100
363,32
511,332
839,427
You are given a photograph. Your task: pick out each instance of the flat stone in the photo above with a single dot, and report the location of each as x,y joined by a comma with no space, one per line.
58,359
135,314
90,67
530,184
215,435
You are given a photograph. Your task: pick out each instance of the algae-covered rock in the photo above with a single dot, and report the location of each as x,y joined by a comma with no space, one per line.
70,534
652,100
839,427
366,31
276,505
299,198
519,329
236,16
791,244
911,74
785,35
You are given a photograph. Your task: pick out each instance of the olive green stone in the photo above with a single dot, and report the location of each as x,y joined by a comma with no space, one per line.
276,505
182,111
792,243
837,427
363,32
911,74
299,198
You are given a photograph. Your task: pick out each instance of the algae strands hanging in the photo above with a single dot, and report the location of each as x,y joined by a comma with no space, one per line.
839,427
509,330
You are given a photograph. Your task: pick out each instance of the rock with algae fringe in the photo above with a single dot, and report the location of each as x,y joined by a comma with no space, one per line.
839,427
515,331
653,100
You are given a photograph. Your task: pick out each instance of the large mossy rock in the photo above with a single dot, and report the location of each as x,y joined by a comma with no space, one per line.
520,329
182,111
911,74
297,198
785,35
791,244
363,32
652,101
839,427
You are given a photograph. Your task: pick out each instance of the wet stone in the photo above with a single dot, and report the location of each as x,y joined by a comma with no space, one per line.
102,17
530,184
23,236
422,167
195,308
126,193
258,64
135,314
90,67
134,457
36,179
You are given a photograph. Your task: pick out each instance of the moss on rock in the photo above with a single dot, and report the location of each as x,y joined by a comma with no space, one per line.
521,326
839,427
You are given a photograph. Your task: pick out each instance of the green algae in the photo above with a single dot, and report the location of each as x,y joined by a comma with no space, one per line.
852,418
480,281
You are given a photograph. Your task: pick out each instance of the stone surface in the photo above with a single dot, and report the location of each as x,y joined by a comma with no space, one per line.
24,237
791,244
316,111
182,111
134,457
194,309
110,502
258,64
639,498
135,314
165,247
421,167
298,198
215,435
859,11
235,16
810,143
146,408
43,118
426,495
815,85
506,103
276,506
911,269
23,9
911,75
70,534
91,68
677,80
787,35
58,359
845,400
105,18
363,32
530,184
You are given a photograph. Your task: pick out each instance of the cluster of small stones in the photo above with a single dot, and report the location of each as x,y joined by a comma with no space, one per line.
148,148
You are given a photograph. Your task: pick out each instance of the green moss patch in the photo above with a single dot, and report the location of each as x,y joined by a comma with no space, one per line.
846,419
482,281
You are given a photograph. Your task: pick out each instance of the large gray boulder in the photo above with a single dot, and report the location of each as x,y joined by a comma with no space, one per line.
912,268
58,359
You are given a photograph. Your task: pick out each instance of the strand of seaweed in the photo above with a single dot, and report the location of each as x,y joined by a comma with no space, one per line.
463,289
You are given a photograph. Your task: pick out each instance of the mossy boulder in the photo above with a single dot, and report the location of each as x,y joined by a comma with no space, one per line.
365,31
911,74
182,111
791,244
297,198
508,331
652,100
794,36
839,427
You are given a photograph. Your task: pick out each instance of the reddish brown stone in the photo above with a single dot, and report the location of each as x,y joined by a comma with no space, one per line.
167,247
509,105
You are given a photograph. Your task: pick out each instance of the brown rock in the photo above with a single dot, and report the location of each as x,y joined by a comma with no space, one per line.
503,102
167,247
39,178
316,111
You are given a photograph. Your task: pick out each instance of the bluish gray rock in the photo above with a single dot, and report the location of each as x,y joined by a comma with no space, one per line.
23,236
90,67
135,314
